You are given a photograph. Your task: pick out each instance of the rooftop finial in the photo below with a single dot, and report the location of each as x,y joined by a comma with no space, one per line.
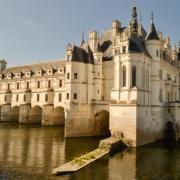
133,3
152,16
140,18
82,41
82,35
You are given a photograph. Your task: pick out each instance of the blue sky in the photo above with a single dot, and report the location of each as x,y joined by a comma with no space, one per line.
36,30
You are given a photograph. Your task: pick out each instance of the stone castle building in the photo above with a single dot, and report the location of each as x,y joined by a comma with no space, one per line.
125,81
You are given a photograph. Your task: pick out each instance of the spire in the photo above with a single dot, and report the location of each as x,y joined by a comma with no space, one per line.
82,40
134,21
141,30
152,34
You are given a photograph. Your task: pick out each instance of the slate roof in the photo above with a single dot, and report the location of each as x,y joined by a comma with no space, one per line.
152,34
34,67
106,45
136,45
141,31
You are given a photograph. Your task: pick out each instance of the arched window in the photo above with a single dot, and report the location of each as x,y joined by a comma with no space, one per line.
133,76
124,76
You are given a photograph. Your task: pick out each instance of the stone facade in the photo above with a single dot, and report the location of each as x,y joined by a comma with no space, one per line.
126,81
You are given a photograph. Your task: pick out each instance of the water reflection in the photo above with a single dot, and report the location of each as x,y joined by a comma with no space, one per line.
35,150
30,152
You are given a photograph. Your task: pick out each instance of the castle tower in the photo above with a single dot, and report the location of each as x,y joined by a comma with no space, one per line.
153,46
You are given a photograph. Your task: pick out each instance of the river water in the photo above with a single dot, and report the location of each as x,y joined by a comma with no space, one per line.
32,151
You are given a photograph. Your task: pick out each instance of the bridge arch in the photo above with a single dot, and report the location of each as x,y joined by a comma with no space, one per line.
14,114
170,131
35,115
58,116
102,122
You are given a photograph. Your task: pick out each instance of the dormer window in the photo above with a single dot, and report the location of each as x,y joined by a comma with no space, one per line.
39,72
61,70
9,76
28,74
50,71
18,75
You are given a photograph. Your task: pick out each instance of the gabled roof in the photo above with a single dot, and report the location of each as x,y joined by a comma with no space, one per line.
152,34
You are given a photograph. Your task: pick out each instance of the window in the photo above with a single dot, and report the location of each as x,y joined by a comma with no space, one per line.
17,86
38,97
67,96
38,84
124,49
60,97
68,75
60,83
160,95
8,86
98,91
49,84
160,74
5,98
124,76
27,85
75,96
17,98
24,98
157,53
75,76
46,97
133,76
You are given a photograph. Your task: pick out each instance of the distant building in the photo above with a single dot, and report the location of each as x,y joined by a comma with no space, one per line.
126,80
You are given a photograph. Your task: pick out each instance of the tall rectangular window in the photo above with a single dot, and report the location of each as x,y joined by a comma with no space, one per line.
17,86
60,97
75,76
46,97
157,53
124,49
67,96
75,96
17,98
68,75
27,85
49,84
5,98
38,97
8,86
38,84
24,98
160,95
60,83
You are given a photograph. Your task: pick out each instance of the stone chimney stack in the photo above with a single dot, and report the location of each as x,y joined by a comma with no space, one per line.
3,64
93,40
116,25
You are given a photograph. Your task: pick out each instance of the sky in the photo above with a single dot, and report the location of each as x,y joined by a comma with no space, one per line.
32,31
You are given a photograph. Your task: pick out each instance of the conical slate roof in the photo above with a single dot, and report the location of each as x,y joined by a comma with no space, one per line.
152,34
141,31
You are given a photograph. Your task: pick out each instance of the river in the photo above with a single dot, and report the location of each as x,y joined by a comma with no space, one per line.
31,151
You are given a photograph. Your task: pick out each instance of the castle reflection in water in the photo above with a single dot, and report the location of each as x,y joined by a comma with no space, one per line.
34,150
